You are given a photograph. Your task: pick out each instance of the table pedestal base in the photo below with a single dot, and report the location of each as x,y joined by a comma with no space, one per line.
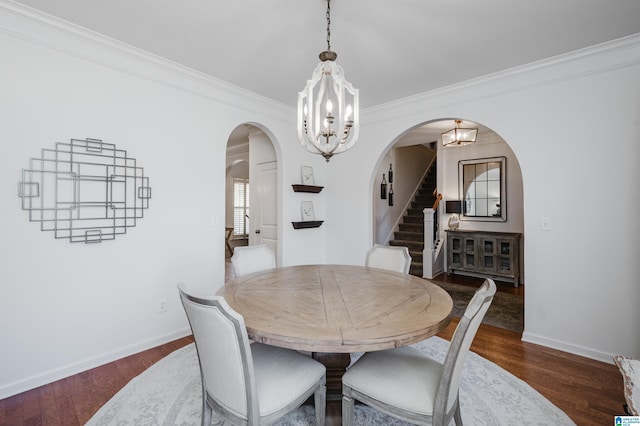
336,364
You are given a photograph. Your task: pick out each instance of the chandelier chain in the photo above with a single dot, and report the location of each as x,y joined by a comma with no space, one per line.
329,25
328,107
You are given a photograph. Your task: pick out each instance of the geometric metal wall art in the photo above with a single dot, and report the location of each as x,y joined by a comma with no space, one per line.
85,190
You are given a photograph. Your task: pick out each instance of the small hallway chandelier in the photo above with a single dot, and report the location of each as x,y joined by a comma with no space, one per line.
328,107
459,135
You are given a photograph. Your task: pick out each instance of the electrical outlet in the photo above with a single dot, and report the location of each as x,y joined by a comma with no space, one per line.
162,305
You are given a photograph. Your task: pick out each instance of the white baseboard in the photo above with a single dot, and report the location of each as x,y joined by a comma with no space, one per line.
563,346
66,371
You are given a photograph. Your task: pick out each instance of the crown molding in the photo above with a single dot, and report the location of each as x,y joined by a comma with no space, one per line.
616,54
46,30
35,26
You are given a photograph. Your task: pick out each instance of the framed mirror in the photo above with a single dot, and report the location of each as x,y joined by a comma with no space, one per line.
482,189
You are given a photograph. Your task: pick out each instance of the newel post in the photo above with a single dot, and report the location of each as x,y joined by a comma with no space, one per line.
432,257
427,252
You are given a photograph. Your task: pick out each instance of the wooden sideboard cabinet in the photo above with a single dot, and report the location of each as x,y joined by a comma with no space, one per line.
484,254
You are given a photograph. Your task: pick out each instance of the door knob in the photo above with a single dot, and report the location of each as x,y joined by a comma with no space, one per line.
257,231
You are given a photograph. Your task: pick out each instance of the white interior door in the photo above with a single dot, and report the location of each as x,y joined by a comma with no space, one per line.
265,209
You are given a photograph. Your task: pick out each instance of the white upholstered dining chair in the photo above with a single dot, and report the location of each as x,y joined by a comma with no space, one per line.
248,384
406,384
393,258
249,259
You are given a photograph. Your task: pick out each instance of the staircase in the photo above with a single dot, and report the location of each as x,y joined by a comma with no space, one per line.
411,230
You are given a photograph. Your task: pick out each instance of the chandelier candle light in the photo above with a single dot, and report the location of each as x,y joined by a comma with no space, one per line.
328,107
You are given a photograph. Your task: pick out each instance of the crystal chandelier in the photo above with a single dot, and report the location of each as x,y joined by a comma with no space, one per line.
328,107
459,135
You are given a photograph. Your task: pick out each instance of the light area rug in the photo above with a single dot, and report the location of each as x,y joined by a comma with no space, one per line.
169,393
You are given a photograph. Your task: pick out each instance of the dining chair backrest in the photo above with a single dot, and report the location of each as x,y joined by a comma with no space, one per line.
249,259
463,336
393,258
406,383
226,364
243,383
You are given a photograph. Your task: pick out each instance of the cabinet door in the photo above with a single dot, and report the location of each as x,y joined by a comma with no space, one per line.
470,253
454,245
506,256
488,252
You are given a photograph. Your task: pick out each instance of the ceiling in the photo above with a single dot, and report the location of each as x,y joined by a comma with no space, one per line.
389,50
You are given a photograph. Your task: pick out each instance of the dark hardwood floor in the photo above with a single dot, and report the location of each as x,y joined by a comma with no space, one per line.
72,401
590,392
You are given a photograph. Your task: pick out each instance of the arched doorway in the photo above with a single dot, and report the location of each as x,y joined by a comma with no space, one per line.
251,195
415,154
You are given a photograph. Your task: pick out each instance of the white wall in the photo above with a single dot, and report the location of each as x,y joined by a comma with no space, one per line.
67,307
573,125
383,215
488,145
409,166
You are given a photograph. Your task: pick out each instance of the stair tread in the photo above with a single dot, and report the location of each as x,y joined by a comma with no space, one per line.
410,232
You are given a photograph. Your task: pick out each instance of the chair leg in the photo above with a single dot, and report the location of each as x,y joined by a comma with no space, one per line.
207,412
457,415
320,402
347,410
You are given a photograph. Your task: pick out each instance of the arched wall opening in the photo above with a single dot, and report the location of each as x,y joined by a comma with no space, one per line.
252,155
410,157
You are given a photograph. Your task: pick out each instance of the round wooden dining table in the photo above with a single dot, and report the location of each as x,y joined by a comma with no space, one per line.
333,310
